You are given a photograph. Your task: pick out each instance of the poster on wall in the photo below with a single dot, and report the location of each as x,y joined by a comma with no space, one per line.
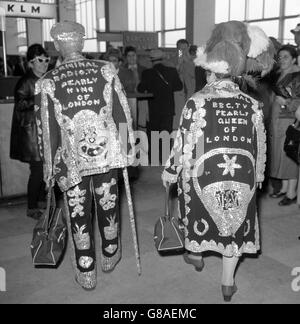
140,40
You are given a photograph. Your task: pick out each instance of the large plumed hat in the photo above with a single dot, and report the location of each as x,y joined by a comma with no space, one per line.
235,48
67,30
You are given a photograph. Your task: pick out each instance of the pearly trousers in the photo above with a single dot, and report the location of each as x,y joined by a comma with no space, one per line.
95,195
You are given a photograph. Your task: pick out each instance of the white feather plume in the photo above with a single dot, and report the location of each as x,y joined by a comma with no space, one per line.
220,67
259,41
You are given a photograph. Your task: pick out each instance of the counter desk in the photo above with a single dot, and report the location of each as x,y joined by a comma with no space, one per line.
13,174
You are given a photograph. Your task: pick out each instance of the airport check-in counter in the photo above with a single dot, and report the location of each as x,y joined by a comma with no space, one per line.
13,174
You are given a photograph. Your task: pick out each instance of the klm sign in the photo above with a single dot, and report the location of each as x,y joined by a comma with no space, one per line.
27,9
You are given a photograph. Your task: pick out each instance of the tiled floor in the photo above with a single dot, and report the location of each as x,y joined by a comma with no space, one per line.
165,280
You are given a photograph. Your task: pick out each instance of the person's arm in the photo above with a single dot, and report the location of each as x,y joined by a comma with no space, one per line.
200,77
38,116
174,163
294,103
177,84
183,57
143,86
121,114
261,146
297,114
48,130
184,143
24,96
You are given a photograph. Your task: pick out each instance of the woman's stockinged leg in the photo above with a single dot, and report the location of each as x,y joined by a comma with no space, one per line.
229,266
292,188
284,187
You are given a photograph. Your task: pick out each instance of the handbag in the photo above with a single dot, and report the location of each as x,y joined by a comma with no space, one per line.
292,142
49,235
168,232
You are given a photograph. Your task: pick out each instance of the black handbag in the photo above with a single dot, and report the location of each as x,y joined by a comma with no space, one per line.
49,235
292,142
168,231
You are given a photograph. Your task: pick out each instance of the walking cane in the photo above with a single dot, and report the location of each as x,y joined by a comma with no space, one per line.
132,221
3,31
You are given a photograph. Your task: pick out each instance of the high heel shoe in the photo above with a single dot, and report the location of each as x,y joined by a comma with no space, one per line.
198,264
228,292
287,201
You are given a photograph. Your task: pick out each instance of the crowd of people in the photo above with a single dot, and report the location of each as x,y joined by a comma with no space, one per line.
219,154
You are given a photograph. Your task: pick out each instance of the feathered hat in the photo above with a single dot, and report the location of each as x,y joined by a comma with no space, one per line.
235,48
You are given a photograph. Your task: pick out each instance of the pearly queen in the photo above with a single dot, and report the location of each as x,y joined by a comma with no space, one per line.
217,166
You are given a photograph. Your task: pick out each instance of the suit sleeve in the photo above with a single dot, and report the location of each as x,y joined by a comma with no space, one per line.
143,85
38,115
295,102
261,147
48,128
181,153
177,83
24,97
122,117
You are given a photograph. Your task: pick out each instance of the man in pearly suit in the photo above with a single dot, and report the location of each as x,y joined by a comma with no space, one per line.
85,136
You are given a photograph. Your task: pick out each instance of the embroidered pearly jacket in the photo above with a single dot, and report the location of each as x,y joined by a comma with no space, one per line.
84,122
218,122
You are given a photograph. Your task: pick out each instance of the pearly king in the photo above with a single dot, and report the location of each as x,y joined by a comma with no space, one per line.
85,135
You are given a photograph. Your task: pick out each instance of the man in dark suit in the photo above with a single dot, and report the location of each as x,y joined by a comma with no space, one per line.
133,66
162,81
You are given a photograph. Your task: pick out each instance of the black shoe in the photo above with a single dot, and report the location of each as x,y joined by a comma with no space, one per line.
278,194
287,201
198,264
228,292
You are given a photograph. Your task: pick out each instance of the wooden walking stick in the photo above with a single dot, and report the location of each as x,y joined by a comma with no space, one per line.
132,221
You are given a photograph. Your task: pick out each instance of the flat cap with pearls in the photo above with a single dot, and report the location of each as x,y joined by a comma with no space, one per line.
67,30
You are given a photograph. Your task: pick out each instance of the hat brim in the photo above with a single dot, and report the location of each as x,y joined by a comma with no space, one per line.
295,31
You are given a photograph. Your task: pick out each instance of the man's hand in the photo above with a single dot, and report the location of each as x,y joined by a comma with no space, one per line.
259,185
297,113
165,183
